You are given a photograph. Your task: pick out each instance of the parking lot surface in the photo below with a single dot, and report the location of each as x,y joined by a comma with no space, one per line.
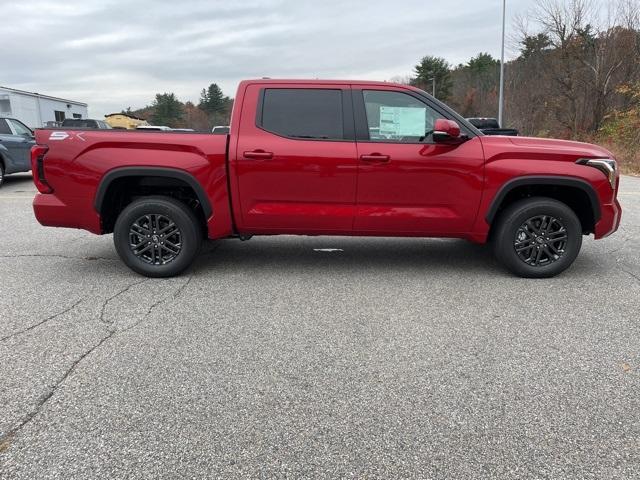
326,357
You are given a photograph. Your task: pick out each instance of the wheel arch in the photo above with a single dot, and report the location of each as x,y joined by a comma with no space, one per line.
157,177
577,193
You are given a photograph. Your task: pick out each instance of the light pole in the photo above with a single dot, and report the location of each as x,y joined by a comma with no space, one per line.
501,97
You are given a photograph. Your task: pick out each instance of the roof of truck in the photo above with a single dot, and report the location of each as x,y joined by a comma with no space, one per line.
320,81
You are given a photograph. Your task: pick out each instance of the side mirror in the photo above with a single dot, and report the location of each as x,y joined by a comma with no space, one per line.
446,131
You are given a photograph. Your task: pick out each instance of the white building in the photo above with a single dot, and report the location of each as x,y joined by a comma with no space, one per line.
37,110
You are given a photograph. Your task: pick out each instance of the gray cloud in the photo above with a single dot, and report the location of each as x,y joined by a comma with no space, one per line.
114,53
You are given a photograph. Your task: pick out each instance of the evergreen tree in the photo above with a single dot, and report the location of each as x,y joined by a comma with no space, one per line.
212,100
167,110
430,68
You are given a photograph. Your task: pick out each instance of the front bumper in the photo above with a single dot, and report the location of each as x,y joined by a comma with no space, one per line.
609,219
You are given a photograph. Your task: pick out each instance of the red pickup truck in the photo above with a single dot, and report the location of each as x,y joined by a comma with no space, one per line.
317,157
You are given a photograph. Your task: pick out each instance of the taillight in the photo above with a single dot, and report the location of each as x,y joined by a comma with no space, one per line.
37,168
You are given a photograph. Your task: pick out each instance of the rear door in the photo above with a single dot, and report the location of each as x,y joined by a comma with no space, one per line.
407,183
295,160
16,140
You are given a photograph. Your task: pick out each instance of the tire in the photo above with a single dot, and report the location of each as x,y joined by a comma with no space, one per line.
1,173
532,247
169,250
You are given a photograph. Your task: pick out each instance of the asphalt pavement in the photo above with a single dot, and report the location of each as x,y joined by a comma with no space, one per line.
315,357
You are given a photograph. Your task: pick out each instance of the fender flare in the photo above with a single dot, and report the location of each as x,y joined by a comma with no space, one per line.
553,180
121,172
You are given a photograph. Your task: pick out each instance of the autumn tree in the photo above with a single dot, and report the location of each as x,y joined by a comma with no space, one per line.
585,51
195,118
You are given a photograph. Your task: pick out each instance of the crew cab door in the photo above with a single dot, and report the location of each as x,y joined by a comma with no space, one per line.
407,183
295,162
16,141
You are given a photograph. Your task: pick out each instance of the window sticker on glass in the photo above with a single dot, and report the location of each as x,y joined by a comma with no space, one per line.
402,121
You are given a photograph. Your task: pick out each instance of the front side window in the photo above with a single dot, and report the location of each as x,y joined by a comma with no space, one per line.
304,113
398,117
20,128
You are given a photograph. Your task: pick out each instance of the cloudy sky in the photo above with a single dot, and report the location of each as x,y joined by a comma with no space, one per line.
114,54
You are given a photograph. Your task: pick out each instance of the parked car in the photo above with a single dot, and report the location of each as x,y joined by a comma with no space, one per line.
318,157
220,130
85,123
490,126
16,140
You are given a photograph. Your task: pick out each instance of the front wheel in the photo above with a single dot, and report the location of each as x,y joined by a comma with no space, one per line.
157,236
537,237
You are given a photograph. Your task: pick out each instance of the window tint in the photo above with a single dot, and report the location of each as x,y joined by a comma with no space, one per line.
398,117
20,128
303,113
4,127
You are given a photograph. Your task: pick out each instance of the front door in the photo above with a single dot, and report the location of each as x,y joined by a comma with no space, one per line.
407,184
295,161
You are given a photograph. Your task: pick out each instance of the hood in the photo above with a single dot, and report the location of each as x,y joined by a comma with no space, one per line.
541,148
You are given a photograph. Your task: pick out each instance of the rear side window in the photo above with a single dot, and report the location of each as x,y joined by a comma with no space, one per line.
303,113
4,127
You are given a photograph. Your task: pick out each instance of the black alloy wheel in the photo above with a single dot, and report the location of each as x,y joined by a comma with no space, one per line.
537,237
155,239
157,236
540,240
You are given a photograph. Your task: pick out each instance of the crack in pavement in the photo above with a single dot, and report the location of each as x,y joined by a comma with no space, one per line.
117,294
31,327
175,295
6,438
621,247
637,277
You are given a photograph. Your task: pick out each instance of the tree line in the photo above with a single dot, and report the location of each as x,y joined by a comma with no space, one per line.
214,108
576,75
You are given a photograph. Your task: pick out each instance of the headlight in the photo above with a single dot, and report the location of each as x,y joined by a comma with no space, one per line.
607,166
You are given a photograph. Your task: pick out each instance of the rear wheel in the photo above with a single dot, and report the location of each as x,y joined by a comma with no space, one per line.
157,236
537,237
1,174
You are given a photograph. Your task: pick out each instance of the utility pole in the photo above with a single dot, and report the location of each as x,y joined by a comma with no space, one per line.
433,86
501,98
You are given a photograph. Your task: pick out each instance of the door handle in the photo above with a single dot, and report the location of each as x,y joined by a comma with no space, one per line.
375,157
261,154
